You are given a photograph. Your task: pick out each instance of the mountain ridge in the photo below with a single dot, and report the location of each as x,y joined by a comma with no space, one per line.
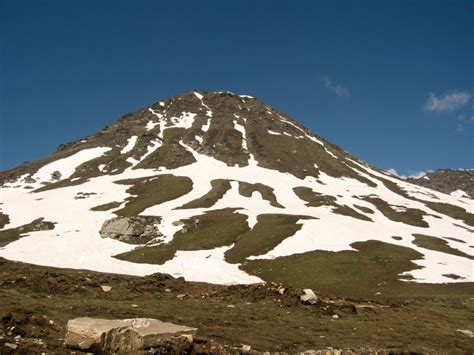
459,182
229,189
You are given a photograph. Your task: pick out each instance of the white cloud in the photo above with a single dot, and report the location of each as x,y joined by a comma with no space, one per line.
337,89
447,102
392,171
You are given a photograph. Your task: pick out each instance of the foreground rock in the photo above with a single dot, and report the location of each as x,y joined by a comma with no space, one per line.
104,335
134,230
309,297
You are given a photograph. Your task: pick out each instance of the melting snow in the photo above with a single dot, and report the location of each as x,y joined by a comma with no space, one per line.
241,129
274,133
75,241
185,120
459,194
67,166
150,125
130,144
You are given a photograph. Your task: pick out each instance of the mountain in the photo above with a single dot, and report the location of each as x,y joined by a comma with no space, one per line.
223,188
457,182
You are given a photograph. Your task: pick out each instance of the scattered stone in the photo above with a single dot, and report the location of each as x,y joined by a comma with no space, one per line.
469,333
51,322
135,305
128,229
56,175
246,348
230,306
125,335
182,296
281,290
11,346
106,288
335,316
309,297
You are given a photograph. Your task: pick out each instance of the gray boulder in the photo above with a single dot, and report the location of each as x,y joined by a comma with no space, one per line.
137,229
125,335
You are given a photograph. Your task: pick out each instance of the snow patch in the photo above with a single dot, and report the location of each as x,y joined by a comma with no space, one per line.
67,166
150,125
130,144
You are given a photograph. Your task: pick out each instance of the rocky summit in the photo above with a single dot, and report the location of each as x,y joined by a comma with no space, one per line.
456,182
223,188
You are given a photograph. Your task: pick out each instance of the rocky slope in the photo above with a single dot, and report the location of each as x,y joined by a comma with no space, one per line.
457,182
223,188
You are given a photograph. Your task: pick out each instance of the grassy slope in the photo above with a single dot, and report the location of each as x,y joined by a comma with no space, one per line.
4,220
153,191
374,267
261,318
270,230
437,244
215,229
10,235
412,216
106,206
218,188
246,189
316,199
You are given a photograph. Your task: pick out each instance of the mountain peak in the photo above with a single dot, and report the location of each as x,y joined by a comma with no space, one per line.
213,187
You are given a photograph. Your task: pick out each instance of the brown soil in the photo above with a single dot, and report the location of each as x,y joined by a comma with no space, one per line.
38,301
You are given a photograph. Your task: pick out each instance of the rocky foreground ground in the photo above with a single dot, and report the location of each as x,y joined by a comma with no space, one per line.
37,302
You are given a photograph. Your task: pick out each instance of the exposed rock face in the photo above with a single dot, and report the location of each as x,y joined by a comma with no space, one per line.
131,229
447,181
110,336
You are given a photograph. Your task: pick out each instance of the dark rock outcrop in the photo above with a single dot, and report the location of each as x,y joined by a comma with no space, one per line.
447,181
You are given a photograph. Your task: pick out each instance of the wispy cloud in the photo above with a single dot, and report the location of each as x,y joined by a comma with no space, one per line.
447,102
337,89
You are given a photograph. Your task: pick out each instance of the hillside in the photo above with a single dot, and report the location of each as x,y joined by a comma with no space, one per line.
457,182
222,188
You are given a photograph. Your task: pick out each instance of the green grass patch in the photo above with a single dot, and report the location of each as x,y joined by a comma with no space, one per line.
316,199
171,154
364,209
437,244
411,216
207,231
346,272
313,199
218,188
246,189
153,191
270,230
452,211
4,220
10,235
106,206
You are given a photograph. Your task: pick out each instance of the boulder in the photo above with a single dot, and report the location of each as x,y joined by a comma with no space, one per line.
309,297
131,229
122,335
56,175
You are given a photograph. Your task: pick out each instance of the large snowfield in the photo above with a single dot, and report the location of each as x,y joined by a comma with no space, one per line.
75,241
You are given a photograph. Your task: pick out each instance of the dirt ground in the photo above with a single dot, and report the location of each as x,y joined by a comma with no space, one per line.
36,303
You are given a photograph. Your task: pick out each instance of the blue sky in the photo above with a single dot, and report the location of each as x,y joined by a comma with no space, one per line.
390,81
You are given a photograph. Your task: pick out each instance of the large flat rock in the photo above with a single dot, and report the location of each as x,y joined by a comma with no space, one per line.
123,334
